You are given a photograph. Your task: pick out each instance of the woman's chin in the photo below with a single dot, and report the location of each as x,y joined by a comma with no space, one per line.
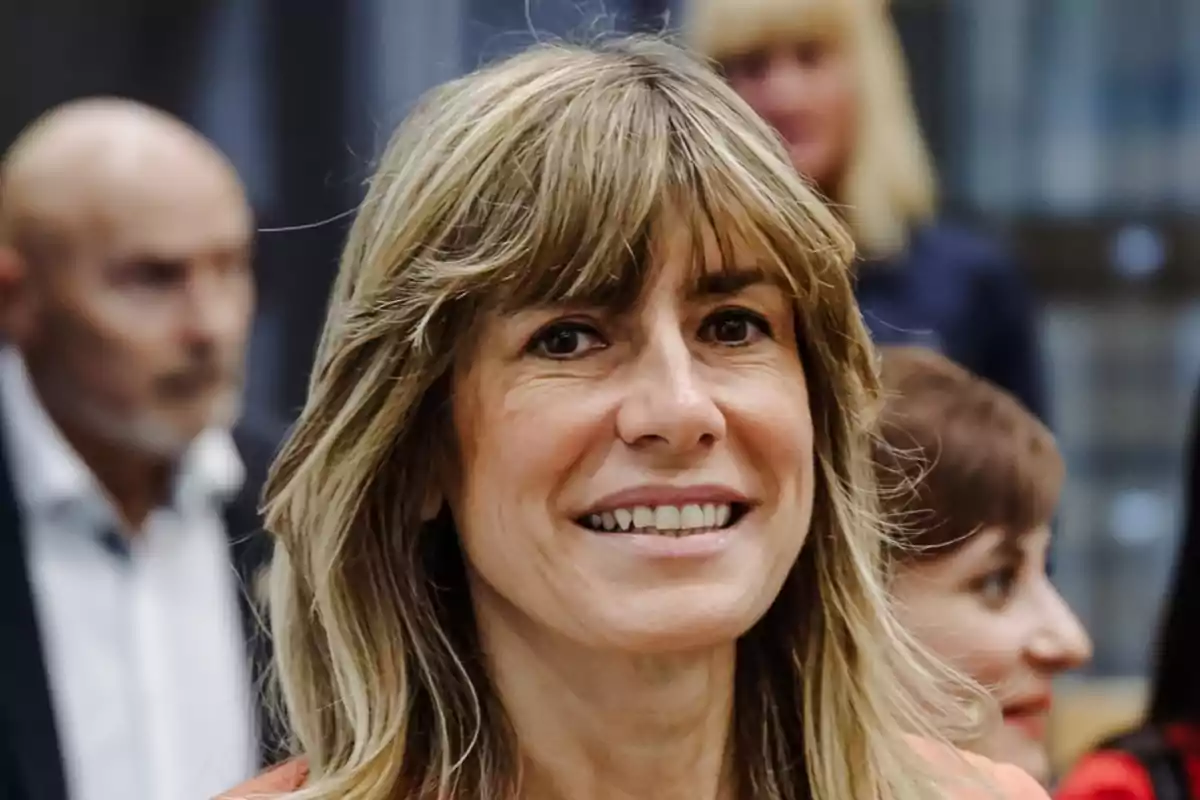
671,627
662,641
1013,747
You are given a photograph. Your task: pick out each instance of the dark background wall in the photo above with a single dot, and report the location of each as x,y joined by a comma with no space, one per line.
1071,128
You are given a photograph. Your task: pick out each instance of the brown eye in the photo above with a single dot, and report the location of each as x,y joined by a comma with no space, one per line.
735,328
811,54
154,273
747,66
565,340
996,588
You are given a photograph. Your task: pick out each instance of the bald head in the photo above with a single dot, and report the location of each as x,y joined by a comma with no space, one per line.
95,131
82,161
124,269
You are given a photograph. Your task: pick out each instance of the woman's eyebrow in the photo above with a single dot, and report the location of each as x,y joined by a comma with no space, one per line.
1009,547
727,282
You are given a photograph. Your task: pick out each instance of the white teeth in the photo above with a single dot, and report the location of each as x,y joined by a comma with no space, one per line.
643,517
666,518
671,520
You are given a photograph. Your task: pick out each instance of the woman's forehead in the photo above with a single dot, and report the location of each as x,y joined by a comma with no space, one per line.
697,261
991,543
699,244
733,29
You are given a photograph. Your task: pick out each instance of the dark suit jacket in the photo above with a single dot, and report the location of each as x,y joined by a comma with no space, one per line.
30,760
963,295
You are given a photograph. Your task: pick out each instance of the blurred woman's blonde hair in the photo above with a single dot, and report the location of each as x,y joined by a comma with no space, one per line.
546,179
889,186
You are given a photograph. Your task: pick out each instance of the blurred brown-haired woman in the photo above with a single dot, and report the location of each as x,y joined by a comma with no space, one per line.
972,481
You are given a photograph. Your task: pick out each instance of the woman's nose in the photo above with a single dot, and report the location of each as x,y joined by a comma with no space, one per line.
1060,643
669,405
783,88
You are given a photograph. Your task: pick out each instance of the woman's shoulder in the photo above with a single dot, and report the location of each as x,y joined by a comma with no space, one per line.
1106,775
287,777
1011,782
976,777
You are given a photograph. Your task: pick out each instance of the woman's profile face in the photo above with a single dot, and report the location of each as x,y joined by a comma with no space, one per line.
990,610
637,479
807,92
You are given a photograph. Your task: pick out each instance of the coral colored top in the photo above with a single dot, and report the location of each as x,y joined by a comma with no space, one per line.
1009,781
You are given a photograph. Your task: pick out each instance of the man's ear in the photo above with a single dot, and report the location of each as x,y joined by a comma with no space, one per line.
16,301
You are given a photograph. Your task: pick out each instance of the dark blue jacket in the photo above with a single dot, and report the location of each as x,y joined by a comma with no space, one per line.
960,294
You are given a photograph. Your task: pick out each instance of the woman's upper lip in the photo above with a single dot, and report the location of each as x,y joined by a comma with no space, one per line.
1034,704
664,495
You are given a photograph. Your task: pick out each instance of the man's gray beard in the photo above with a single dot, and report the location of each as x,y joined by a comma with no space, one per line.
156,437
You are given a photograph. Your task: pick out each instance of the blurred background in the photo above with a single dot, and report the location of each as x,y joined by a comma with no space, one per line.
1071,128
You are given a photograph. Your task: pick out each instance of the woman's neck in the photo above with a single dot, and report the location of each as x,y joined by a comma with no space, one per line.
603,725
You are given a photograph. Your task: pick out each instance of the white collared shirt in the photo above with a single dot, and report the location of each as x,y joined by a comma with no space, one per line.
142,637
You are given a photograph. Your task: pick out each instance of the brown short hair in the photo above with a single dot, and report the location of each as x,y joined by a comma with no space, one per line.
956,454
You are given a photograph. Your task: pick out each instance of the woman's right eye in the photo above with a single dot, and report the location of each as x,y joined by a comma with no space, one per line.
811,53
748,66
565,340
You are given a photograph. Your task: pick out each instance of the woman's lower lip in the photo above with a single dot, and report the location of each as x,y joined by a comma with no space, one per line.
1033,723
651,545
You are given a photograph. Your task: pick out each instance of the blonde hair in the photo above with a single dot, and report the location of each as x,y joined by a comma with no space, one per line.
544,179
888,187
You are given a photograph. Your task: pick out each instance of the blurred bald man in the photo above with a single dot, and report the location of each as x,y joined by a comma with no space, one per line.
127,496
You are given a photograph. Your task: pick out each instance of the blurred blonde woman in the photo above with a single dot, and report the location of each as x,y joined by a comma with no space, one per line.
829,76
580,504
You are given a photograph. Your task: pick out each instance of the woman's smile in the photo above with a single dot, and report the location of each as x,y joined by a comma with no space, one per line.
670,521
667,510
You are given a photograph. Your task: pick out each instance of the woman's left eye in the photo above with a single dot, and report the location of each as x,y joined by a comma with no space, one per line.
734,327
997,588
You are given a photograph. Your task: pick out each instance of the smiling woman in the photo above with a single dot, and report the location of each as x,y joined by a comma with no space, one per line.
580,504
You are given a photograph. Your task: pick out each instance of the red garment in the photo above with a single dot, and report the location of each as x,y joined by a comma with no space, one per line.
1113,775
